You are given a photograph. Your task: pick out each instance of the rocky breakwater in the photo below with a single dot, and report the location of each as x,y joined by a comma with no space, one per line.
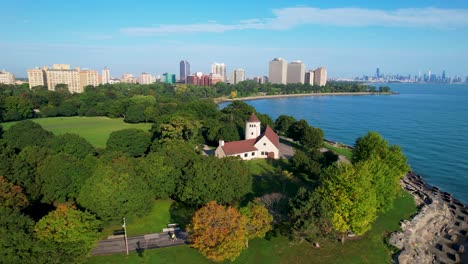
438,233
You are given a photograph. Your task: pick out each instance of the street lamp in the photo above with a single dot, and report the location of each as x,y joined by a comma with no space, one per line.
124,226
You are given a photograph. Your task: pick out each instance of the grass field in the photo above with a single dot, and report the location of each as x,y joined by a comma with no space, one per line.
368,249
340,151
94,129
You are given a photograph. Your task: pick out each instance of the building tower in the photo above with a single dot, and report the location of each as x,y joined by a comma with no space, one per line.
236,76
219,68
105,77
309,77
184,70
320,76
296,72
252,127
377,73
278,69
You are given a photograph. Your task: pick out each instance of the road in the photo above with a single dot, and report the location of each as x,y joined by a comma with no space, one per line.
138,243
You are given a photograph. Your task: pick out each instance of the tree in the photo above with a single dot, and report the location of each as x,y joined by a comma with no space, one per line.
63,175
222,180
307,164
16,240
282,124
218,232
27,133
347,190
73,144
180,128
115,190
17,108
11,195
312,138
257,220
1,131
157,175
297,129
134,142
372,145
66,235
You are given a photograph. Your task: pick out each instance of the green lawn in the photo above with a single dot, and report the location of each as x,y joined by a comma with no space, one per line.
368,249
339,151
154,222
94,129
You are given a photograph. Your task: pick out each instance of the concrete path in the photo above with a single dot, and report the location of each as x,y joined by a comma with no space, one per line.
138,243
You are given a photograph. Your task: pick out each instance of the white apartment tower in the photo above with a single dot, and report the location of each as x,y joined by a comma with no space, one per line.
320,76
36,77
105,78
296,72
219,68
88,77
236,76
6,77
146,78
278,69
75,79
309,77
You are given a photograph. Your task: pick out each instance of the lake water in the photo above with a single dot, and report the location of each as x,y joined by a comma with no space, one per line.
429,122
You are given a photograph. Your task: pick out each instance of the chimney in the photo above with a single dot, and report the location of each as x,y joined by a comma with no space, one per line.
221,142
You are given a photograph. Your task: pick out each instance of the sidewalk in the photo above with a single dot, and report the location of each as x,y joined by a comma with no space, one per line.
138,243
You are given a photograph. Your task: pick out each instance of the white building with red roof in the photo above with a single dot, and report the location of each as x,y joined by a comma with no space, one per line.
256,145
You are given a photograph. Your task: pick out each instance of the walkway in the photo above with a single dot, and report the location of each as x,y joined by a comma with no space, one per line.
138,243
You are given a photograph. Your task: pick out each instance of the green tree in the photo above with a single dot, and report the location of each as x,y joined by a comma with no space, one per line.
157,175
17,108
16,241
218,232
307,164
282,124
348,192
66,235
27,133
73,144
297,129
180,128
134,142
11,195
115,190
312,138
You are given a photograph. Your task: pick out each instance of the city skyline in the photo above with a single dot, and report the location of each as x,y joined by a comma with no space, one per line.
350,38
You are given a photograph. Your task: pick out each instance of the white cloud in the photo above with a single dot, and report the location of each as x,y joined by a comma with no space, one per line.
288,18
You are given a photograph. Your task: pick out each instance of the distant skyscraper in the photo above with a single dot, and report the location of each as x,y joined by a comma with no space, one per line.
377,73
105,77
128,78
236,76
278,69
146,78
184,70
320,76
296,72
219,68
309,77
443,75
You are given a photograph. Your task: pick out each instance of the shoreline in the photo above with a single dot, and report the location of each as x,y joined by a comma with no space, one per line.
275,96
437,232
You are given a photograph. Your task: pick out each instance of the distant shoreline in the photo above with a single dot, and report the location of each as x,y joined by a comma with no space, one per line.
258,97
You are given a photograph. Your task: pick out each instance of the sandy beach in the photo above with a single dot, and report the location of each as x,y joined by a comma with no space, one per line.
257,97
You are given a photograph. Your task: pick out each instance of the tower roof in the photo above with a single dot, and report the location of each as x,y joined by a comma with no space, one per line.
253,118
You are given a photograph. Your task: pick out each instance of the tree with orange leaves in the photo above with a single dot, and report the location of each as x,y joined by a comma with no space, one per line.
218,232
257,219
11,195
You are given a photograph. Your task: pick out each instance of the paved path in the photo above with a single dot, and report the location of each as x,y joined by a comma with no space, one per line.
138,243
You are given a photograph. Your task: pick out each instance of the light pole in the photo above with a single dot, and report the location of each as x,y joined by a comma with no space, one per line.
125,234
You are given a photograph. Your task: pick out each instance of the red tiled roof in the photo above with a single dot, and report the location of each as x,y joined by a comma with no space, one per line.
241,146
253,118
271,135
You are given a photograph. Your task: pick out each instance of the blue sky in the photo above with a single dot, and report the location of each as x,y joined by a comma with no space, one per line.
350,38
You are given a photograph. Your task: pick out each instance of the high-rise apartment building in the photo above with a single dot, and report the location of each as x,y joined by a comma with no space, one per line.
88,77
309,77
236,76
169,78
296,72
105,77
146,78
6,77
278,69
215,78
184,70
63,74
219,68
320,76
36,77
128,78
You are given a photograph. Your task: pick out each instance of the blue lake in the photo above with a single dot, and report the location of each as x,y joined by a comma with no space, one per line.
429,122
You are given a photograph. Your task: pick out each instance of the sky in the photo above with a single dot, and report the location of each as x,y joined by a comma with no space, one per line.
349,38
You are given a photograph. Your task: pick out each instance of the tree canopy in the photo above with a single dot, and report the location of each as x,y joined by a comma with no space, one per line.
134,142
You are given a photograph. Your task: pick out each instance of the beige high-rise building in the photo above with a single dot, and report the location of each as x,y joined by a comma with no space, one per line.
128,78
219,68
309,77
236,76
75,79
105,76
278,69
6,77
88,77
320,76
146,78
296,72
